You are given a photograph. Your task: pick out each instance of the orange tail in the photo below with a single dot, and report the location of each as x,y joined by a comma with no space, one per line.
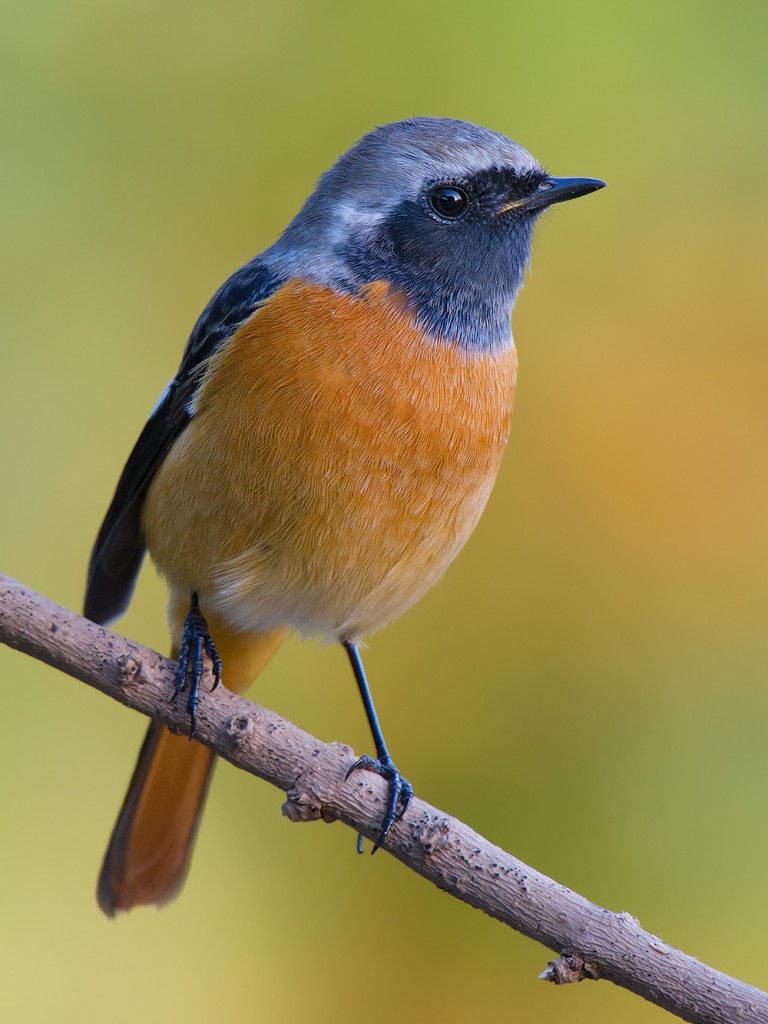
151,844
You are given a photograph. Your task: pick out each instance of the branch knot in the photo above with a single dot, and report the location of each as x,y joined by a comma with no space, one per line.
570,968
305,805
130,670
239,727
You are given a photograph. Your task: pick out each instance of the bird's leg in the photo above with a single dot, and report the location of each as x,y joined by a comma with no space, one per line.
400,790
195,639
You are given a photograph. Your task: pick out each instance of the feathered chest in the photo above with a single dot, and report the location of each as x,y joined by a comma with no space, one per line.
335,378
335,447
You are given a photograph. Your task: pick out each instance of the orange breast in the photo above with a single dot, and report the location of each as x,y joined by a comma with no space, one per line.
336,463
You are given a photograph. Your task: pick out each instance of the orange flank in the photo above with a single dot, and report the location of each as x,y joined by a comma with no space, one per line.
336,463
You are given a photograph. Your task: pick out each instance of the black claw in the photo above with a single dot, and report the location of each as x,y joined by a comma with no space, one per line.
400,794
195,639
216,665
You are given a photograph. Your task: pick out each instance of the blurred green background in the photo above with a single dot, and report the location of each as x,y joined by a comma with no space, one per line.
587,685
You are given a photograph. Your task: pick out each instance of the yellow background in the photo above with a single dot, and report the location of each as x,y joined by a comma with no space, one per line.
587,687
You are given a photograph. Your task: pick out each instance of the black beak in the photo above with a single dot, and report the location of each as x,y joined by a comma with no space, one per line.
554,190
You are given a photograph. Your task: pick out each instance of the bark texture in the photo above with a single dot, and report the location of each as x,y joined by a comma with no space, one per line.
592,942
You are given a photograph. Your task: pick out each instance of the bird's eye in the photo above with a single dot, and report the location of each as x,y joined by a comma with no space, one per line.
448,201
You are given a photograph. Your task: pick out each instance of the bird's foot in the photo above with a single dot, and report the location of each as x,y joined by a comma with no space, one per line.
195,639
400,793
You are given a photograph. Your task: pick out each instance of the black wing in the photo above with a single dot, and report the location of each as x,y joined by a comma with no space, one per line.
119,549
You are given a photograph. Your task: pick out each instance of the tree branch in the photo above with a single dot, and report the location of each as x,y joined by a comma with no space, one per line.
592,942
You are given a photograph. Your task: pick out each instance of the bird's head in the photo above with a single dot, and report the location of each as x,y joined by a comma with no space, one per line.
442,210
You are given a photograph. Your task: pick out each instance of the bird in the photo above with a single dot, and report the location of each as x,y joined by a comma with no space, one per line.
326,447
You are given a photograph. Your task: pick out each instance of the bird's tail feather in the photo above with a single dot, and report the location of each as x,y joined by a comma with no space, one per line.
151,844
